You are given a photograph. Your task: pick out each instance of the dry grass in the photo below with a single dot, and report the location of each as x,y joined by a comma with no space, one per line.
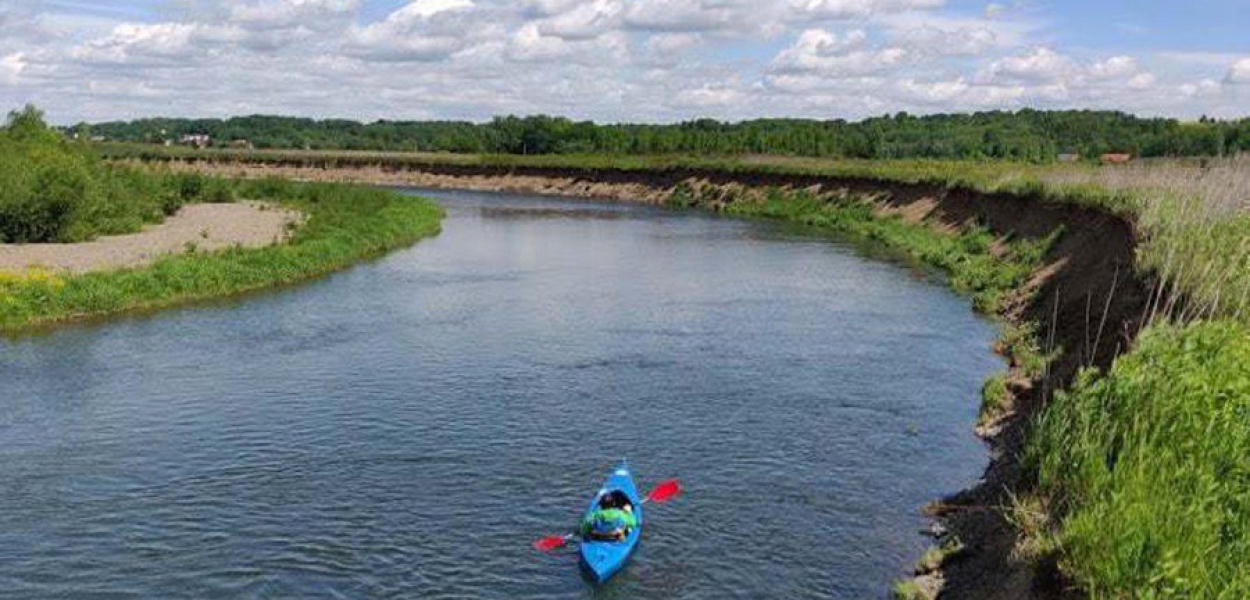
1196,216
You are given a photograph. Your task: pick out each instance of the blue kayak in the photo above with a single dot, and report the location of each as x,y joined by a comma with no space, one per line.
604,558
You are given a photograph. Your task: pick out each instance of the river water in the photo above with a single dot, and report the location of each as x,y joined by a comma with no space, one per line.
407,428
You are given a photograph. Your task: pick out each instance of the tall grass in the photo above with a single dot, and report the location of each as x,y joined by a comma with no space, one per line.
344,225
1148,468
1196,217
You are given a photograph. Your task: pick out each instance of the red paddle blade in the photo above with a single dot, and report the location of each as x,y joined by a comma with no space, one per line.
669,490
548,544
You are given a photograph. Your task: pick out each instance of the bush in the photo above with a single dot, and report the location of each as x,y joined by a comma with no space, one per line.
53,190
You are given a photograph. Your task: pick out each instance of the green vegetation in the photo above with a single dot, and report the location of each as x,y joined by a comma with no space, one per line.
967,256
344,224
1149,468
933,558
52,190
908,590
1027,135
995,394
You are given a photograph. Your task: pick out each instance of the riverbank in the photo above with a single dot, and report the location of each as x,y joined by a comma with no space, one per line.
343,225
1061,276
194,228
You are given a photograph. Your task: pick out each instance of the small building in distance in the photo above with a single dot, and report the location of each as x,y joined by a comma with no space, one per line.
1069,157
1116,159
197,140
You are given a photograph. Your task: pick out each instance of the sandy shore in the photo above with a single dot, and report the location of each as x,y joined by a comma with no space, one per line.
199,226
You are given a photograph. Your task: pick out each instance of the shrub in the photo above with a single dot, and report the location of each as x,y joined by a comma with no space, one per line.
52,190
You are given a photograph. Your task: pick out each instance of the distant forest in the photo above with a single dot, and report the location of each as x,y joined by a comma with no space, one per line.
1027,135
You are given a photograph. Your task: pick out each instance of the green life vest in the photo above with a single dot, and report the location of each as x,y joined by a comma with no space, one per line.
609,519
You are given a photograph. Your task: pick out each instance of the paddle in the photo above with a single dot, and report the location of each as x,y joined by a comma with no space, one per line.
554,542
669,490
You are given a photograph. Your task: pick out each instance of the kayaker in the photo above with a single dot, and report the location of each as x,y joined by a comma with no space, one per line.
612,520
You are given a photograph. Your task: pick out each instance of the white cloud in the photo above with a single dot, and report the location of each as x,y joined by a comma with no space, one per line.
314,15
584,21
424,9
156,44
708,96
822,52
667,44
1198,89
421,31
529,44
1142,81
1038,65
858,9
11,68
959,41
1239,73
693,16
605,59
1116,67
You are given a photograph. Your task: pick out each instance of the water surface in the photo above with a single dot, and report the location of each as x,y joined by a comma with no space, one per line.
405,429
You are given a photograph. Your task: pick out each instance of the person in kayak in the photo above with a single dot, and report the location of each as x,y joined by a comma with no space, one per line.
612,520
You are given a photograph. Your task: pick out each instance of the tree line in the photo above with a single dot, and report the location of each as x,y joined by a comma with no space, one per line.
1026,135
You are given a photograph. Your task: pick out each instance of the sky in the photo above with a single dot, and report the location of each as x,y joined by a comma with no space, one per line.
621,60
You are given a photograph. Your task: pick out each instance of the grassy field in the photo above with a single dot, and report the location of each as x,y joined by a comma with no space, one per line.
345,224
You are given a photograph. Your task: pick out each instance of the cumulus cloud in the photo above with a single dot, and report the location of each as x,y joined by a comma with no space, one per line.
11,68
584,21
858,9
421,31
955,41
314,15
1239,73
1116,67
822,52
708,96
156,44
696,15
606,59
1038,65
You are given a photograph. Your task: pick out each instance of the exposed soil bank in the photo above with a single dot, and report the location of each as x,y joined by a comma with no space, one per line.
1088,302
202,227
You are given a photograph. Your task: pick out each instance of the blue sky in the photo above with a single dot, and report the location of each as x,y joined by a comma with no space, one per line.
638,60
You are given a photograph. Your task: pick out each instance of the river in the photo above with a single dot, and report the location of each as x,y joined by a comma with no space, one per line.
407,428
